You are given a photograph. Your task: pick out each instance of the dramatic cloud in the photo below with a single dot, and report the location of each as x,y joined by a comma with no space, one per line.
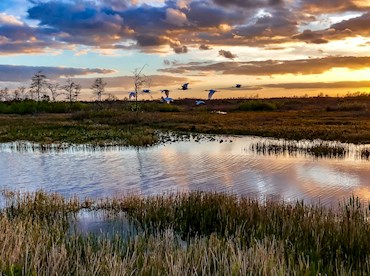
126,82
276,67
321,85
333,6
269,37
353,27
13,73
249,3
176,17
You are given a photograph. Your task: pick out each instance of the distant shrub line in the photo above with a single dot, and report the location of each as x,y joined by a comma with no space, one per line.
31,107
257,105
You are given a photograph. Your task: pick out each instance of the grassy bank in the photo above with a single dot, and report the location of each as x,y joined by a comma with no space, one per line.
341,119
196,233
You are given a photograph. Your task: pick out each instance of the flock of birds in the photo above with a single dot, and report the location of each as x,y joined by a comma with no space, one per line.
185,86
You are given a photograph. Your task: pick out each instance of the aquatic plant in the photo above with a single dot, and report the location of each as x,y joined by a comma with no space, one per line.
194,233
321,149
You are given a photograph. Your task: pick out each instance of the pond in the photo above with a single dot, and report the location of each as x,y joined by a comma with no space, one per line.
222,164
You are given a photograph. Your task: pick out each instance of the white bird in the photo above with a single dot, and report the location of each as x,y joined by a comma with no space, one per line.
168,100
210,94
199,102
185,86
131,95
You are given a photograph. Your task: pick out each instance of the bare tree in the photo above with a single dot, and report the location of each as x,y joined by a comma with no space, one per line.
54,89
4,94
139,80
72,90
38,84
17,95
21,92
98,88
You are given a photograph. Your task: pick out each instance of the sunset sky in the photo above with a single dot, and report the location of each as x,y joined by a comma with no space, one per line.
271,47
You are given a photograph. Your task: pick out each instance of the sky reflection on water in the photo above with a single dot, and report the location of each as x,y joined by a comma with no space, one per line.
188,165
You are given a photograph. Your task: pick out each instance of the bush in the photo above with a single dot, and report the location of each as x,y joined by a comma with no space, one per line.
258,106
168,108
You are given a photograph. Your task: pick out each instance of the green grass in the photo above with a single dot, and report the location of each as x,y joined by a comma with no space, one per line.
195,233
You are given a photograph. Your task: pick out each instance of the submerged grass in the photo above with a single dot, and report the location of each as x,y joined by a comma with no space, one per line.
195,233
321,149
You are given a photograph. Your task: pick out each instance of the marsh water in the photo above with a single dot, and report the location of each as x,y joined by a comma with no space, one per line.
222,164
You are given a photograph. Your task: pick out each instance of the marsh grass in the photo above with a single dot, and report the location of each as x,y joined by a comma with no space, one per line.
31,107
353,106
113,122
319,150
184,234
258,105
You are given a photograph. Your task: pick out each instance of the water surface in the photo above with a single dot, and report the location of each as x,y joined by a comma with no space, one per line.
226,164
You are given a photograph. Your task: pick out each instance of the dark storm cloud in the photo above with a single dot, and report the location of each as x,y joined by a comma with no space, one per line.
15,73
277,67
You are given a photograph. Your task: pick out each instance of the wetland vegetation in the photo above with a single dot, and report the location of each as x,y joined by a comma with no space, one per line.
114,122
182,234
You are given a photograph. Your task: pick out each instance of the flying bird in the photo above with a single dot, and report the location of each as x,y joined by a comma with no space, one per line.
167,100
210,94
131,95
199,102
166,92
238,85
185,86
146,91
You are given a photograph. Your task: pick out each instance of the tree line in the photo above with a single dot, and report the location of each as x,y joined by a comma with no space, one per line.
42,89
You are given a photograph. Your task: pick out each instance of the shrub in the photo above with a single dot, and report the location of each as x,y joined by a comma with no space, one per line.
168,108
258,106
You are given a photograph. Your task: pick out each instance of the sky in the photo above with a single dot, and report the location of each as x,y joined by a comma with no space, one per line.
273,48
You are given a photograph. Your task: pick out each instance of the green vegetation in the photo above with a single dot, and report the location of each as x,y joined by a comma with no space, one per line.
168,108
196,233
